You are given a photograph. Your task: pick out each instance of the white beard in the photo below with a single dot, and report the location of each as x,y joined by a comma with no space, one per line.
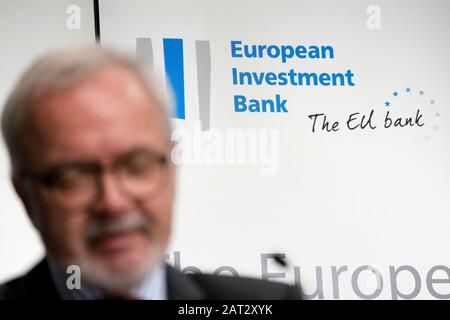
96,275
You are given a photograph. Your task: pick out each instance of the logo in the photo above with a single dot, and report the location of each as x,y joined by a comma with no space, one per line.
174,69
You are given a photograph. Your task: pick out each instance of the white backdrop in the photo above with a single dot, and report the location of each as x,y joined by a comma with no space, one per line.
27,29
371,205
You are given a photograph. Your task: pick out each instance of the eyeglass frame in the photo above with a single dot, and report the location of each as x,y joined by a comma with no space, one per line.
98,170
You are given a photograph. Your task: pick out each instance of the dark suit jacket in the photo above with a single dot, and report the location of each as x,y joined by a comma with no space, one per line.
38,285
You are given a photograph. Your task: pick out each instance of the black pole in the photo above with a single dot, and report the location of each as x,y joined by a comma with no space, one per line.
97,22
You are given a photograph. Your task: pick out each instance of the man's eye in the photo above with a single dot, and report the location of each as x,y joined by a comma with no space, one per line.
140,167
69,179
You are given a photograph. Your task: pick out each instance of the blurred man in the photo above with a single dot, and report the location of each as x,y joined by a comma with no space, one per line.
89,141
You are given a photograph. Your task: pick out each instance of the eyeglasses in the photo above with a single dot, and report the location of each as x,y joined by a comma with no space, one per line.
139,174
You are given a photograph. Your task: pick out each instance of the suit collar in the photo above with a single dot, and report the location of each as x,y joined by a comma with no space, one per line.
183,287
39,283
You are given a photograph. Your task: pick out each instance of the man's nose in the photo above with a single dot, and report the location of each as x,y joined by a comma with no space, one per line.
110,197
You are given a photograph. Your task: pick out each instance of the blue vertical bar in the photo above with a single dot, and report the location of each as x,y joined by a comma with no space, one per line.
173,63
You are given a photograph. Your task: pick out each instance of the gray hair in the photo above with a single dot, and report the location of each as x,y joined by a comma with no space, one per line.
62,69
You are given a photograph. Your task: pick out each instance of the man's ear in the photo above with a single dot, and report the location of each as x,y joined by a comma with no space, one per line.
21,189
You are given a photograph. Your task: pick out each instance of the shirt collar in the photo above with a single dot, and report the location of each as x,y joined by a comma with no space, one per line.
154,286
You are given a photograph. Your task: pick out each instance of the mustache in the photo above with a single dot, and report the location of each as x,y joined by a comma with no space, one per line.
127,222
